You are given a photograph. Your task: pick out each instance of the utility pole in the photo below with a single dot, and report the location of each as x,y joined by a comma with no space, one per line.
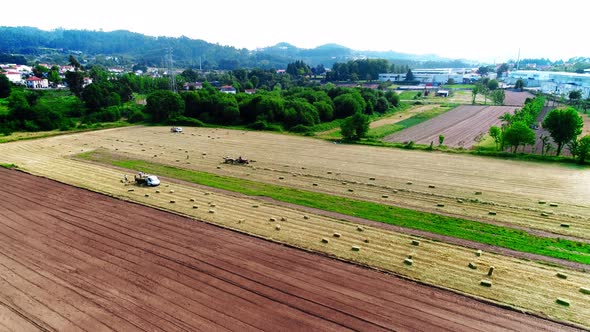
171,71
518,60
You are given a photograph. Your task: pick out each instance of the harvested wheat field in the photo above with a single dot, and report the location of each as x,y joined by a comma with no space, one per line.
515,190
462,126
73,260
522,284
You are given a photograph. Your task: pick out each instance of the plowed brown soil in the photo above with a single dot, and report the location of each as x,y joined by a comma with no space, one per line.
74,260
461,127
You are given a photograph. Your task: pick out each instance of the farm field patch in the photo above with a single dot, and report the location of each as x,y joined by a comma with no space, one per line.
76,260
331,165
461,127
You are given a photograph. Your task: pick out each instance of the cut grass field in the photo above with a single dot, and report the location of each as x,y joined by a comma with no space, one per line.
439,224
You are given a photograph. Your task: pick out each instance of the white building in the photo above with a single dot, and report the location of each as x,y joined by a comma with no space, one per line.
14,77
558,83
37,83
435,75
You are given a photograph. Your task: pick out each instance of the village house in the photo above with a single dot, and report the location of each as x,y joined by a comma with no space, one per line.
37,83
13,76
228,89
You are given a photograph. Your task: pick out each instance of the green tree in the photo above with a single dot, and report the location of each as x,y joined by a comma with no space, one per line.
474,92
409,76
483,70
564,126
493,85
575,96
498,97
164,105
348,104
583,149
355,127
519,85
496,133
441,139
519,134
5,86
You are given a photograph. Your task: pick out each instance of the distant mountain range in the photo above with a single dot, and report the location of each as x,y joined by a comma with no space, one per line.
125,48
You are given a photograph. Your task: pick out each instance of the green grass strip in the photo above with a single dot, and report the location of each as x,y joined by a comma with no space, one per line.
9,166
460,228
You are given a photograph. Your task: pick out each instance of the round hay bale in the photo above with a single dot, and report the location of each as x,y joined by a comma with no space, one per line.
359,228
553,205
273,219
431,186
172,201
478,253
415,242
130,189
542,202
337,235
584,290
351,190
192,199
565,225
283,218
211,211
172,191
561,275
472,265
255,206
460,201
544,214
147,195
371,179
355,248
212,204
195,207
281,177
492,213
314,184
384,196
278,227
409,182
440,205
157,191
366,241
478,193
329,172
306,217
324,240
408,261
486,283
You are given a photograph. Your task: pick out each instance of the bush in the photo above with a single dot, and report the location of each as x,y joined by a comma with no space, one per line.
301,129
263,125
135,116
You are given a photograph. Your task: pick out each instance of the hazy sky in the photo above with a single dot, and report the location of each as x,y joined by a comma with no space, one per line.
487,30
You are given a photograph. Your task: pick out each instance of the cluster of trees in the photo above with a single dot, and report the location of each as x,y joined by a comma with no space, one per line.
516,128
489,89
296,109
563,124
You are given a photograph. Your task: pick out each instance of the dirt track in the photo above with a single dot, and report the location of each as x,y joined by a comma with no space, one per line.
75,260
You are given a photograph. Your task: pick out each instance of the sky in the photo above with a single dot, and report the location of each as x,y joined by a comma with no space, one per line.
483,30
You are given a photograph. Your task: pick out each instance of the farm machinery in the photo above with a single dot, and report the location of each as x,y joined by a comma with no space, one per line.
147,180
235,161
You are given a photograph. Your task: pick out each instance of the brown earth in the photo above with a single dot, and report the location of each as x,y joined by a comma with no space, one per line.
516,98
74,260
461,126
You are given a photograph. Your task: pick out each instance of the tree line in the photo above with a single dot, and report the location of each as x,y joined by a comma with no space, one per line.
280,102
